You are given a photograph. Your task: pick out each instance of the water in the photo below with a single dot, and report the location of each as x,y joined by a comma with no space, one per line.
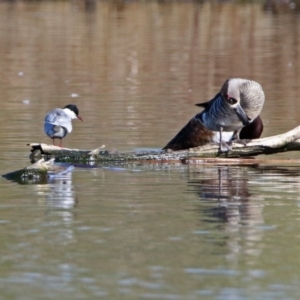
146,231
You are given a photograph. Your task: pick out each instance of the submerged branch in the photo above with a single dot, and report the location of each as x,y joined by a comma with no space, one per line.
39,172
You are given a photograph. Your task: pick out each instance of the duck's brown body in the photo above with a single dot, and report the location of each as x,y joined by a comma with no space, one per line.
253,130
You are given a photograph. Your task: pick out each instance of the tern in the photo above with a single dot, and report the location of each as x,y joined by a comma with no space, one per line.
58,122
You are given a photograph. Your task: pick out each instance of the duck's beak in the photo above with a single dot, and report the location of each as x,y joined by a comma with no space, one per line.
78,117
242,115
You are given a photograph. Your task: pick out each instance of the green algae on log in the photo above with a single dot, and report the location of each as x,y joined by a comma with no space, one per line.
39,151
289,141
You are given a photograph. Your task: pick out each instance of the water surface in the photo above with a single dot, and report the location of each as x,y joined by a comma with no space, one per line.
154,231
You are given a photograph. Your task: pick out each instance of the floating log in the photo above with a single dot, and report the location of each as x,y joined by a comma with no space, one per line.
289,141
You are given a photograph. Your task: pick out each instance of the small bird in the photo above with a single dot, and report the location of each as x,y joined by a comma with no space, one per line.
58,122
235,107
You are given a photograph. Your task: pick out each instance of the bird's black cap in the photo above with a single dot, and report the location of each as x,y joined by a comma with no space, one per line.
73,107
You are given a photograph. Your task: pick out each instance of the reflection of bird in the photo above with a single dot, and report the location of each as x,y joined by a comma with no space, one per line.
235,107
228,189
58,122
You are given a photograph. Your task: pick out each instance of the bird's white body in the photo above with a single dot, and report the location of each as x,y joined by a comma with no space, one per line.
227,136
58,122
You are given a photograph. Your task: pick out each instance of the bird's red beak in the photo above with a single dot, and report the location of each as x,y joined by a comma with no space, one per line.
78,117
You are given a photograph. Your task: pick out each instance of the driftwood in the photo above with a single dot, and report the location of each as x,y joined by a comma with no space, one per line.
289,141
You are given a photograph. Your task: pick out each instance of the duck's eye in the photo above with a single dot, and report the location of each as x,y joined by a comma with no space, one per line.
231,100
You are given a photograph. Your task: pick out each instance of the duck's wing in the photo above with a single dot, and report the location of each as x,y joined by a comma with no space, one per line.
207,104
58,117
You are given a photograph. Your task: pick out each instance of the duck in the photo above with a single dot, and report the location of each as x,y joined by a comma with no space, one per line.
233,113
58,122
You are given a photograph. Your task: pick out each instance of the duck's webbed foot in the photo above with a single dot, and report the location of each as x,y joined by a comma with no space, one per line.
225,146
244,142
236,139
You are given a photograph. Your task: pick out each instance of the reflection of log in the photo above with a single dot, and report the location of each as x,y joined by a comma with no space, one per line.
289,141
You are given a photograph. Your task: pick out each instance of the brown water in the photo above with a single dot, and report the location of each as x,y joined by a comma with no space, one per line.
146,231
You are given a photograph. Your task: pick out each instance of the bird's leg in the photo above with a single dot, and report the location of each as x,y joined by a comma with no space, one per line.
235,136
60,143
224,147
53,142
